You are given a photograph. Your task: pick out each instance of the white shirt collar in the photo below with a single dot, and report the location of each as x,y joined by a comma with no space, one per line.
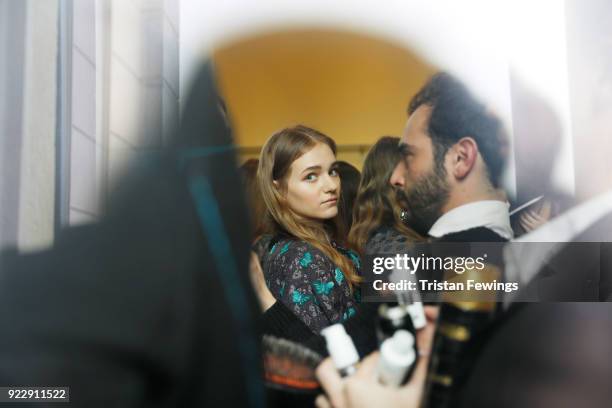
491,214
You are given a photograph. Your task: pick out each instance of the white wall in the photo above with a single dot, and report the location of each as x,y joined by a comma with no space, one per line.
86,142
143,82
12,50
118,95
124,93
446,32
37,134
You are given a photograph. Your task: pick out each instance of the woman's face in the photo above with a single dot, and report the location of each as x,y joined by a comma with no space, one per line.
313,184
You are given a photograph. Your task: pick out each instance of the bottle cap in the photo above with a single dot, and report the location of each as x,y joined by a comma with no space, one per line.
402,342
340,346
397,356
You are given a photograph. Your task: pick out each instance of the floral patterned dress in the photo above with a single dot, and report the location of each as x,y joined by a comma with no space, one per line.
308,283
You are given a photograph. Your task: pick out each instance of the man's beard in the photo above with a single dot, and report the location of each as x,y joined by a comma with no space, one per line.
425,199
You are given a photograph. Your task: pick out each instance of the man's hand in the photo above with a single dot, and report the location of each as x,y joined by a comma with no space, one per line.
424,337
332,385
362,390
532,219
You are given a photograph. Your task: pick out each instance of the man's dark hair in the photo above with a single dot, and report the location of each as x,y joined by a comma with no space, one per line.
455,114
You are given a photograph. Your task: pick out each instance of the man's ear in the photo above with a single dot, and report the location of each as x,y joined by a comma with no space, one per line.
464,156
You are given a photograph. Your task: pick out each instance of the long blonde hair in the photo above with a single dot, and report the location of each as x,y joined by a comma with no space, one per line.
376,202
277,156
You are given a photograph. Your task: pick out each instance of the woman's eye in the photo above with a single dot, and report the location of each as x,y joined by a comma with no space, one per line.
311,177
333,172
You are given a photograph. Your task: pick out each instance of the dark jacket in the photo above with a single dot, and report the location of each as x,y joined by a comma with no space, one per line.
553,354
152,306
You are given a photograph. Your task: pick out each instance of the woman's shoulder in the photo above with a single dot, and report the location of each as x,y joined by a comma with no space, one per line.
350,254
285,246
262,245
289,252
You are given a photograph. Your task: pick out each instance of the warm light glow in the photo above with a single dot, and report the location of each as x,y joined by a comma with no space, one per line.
477,40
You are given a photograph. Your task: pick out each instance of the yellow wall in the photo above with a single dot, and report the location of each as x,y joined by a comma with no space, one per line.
352,87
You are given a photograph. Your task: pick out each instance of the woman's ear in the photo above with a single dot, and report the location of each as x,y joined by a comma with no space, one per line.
278,185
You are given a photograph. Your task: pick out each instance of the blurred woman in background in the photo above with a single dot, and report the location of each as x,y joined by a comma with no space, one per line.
350,178
377,215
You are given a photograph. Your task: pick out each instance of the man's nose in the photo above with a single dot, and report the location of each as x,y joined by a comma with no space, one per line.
398,176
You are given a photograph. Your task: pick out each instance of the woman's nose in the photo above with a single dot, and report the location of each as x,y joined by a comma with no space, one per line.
398,177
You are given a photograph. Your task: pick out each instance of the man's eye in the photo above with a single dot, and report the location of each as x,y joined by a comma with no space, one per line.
405,151
310,177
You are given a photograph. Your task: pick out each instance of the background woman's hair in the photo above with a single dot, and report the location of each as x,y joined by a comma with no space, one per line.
376,203
254,199
350,178
277,155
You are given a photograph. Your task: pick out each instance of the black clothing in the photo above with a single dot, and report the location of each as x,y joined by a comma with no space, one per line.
553,354
387,240
279,321
462,328
581,271
152,307
545,355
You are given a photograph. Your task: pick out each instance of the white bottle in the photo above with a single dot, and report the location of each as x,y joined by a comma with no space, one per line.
341,349
417,314
396,358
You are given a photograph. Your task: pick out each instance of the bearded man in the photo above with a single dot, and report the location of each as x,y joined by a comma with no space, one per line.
454,152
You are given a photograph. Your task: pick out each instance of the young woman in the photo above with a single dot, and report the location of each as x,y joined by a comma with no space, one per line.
307,268
377,215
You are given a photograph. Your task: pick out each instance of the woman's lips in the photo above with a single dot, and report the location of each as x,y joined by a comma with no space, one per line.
331,200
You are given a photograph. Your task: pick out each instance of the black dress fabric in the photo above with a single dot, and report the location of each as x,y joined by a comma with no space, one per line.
279,321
